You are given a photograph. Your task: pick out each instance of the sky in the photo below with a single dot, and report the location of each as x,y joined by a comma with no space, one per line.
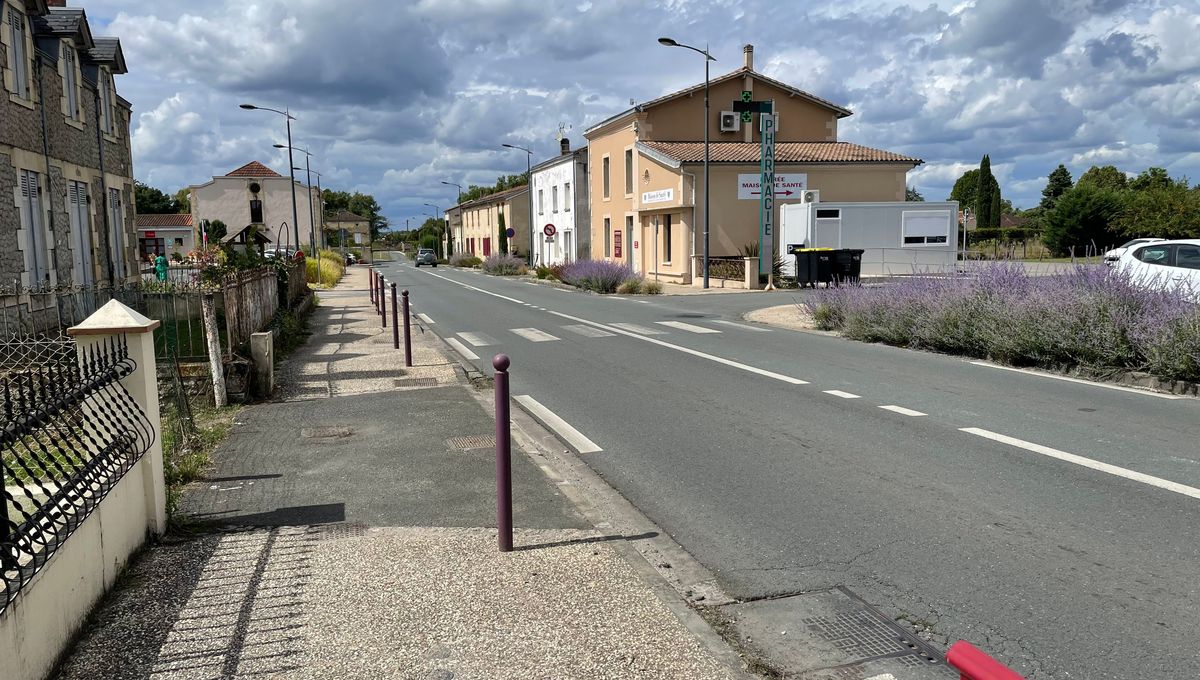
393,97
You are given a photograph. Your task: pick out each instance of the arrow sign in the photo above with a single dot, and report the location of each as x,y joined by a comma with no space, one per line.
788,192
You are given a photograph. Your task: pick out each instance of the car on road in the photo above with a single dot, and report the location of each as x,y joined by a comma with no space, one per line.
1111,256
425,256
1165,265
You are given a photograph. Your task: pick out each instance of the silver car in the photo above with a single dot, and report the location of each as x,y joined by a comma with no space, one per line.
425,256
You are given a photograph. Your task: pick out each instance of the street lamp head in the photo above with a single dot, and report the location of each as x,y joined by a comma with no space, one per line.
508,146
249,107
668,42
280,146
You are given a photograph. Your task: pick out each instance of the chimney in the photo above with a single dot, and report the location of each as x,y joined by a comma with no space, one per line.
564,145
748,52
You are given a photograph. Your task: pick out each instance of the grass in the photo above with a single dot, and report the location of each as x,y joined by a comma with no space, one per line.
333,267
187,456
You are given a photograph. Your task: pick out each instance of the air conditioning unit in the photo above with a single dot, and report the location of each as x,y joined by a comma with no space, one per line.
810,196
730,121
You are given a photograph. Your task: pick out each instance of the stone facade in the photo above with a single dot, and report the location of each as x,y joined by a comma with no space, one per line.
75,147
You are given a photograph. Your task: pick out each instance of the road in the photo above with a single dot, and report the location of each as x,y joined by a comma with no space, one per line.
1053,523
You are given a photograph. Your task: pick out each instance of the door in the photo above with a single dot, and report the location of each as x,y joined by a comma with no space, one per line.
487,246
81,233
1187,262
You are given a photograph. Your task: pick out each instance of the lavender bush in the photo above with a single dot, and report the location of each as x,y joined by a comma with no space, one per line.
504,265
1087,317
600,276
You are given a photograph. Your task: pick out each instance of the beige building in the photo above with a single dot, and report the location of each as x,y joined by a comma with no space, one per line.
255,194
353,231
647,171
481,223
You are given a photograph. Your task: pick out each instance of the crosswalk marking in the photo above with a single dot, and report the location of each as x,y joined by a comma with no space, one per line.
425,318
462,349
743,326
634,328
533,334
588,331
687,327
843,395
478,339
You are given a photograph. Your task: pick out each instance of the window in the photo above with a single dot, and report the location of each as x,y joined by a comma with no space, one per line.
567,197
106,105
829,214
116,224
607,237
178,242
554,199
629,171
925,228
20,59
1160,255
606,177
541,202
36,262
256,214
70,83
1187,257
81,232
666,239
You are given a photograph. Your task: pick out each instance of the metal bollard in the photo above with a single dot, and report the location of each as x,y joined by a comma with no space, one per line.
371,283
407,333
395,321
382,302
503,456
974,664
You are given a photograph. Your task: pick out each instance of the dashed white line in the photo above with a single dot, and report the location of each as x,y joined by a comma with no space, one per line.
902,411
425,318
642,302
614,297
843,395
743,326
1039,374
634,328
561,427
462,349
1159,482
480,290
691,328
478,339
588,331
533,334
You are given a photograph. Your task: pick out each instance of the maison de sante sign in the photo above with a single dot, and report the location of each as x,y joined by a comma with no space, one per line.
749,188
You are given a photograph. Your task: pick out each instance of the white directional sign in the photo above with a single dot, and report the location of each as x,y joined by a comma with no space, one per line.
787,187
660,196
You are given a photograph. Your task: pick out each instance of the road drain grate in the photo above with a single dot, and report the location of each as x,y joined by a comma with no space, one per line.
415,382
857,634
475,441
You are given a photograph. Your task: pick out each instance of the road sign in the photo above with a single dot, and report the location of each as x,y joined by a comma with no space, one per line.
766,248
510,232
787,186
549,230
549,238
747,95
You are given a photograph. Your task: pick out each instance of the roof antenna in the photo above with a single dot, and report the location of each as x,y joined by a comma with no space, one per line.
632,102
562,131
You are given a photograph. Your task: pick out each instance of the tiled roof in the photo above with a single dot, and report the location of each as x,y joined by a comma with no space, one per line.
254,169
785,152
497,197
66,22
145,221
108,51
345,216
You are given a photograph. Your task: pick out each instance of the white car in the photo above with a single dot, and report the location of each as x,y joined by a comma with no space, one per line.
1166,265
1111,257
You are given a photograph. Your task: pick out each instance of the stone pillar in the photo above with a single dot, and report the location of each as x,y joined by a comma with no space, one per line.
751,272
115,319
262,353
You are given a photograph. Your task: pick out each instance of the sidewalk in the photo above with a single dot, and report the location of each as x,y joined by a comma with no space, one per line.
354,543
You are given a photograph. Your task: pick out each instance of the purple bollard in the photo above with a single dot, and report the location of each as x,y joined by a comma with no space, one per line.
371,283
504,524
407,333
395,321
382,302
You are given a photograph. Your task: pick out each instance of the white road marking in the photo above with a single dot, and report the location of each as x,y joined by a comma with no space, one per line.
902,411
1064,378
642,302
478,339
480,290
563,429
588,331
425,318
533,334
614,297
687,327
634,328
462,349
843,395
1086,462
743,326
687,350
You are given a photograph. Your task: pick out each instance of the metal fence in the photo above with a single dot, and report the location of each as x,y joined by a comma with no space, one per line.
70,432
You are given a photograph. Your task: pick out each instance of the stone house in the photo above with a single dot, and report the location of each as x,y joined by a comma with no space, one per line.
66,169
254,194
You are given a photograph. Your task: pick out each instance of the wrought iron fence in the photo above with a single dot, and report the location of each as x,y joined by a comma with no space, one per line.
70,432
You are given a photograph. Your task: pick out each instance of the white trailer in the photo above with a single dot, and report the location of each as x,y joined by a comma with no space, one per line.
896,238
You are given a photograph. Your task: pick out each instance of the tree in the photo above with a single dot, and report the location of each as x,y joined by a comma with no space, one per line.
1152,178
987,197
1057,184
995,212
358,203
183,199
1170,211
1082,216
1105,177
151,201
215,231
911,194
502,240
964,190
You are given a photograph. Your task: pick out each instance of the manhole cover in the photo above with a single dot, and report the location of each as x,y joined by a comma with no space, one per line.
325,432
415,382
475,441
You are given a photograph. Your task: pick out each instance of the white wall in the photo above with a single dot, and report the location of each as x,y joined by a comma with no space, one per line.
228,199
563,219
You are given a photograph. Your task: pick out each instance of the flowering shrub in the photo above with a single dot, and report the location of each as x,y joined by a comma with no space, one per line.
465,260
1088,316
504,265
556,270
600,276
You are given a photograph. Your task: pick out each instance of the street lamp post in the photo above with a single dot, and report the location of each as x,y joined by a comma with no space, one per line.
529,190
291,163
312,227
459,201
445,228
707,124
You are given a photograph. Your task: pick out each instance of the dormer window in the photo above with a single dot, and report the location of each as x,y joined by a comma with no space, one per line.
70,82
106,100
20,53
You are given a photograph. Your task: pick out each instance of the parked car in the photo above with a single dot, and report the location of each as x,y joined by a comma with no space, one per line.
1111,257
281,252
1165,265
425,256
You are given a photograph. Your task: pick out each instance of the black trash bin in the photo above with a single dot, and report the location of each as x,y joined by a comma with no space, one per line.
847,266
813,265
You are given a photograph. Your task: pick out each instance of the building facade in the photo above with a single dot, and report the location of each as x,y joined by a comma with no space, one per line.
353,231
66,169
481,219
646,172
257,195
171,235
561,201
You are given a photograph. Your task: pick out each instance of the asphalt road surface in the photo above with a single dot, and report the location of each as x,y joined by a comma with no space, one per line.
1052,523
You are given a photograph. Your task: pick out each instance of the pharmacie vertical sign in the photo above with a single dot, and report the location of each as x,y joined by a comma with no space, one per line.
766,235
